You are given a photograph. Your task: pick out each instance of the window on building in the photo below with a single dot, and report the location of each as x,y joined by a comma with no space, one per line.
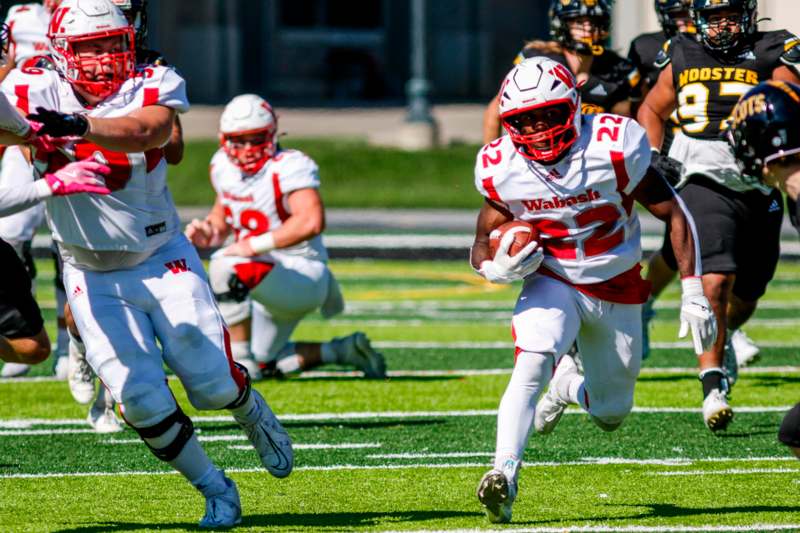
332,14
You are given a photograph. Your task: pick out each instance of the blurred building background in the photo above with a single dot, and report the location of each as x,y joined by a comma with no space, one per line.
333,53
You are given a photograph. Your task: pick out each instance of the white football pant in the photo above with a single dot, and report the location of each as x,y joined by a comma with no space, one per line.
160,311
549,316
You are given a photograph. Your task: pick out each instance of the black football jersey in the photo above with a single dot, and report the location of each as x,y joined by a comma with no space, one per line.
643,52
611,80
708,86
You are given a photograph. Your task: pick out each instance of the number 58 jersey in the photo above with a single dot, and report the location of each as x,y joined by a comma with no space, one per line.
139,215
258,203
582,205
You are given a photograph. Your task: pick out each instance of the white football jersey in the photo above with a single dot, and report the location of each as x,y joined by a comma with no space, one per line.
581,205
257,204
139,215
27,26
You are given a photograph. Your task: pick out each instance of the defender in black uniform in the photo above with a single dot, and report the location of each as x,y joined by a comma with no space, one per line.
765,138
738,222
579,28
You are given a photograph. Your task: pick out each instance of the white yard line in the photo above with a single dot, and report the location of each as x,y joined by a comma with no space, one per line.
472,345
342,446
507,305
625,529
729,471
26,423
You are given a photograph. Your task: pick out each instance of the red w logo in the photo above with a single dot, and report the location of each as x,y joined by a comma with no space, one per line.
177,266
58,18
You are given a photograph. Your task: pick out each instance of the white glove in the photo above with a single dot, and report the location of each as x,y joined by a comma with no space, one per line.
697,315
505,268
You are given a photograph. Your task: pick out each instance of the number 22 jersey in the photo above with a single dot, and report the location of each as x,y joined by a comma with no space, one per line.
582,205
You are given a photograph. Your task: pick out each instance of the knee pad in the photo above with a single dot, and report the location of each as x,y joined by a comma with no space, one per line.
144,404
607,423
168,451
222,391
789,433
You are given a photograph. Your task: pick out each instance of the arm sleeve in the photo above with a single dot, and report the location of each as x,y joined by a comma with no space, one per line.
19,198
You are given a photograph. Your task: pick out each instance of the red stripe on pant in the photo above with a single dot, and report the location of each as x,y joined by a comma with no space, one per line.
236,372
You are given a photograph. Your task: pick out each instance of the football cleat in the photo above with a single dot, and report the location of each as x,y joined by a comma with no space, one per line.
729,362
745,349
14,370
268,437
717,413
497,496
224,509
101,415
357,350
80,376
551,406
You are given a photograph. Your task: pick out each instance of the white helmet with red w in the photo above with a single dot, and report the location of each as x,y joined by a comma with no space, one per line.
80,21
247,132
540,108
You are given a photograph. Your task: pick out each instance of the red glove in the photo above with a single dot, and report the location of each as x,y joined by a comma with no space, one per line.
79,177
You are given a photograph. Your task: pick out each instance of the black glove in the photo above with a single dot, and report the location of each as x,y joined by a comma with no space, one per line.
668,167
57,124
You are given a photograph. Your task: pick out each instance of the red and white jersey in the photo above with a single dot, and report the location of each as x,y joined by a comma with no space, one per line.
582,204
257,204
139,215
27,27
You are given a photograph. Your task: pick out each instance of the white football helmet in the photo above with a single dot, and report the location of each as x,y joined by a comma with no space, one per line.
77,21
540,108
248,115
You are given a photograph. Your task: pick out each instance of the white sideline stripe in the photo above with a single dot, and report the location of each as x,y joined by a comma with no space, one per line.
623,529
443,455
342,446
729,471
25,423
590,461
297,469
315,374
503,318
471,345
505,305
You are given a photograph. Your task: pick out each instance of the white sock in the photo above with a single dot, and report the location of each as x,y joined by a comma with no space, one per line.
192,462
289,365
240,350
249,410
211,483
328,353
515,414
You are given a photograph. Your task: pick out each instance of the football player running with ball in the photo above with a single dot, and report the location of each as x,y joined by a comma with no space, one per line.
575,178
275,272
738,222
765,139
136,287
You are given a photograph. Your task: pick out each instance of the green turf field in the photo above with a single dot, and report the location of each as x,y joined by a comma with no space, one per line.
407,453
355,174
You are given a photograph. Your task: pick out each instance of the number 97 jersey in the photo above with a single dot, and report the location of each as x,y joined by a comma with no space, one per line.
582,205
258,203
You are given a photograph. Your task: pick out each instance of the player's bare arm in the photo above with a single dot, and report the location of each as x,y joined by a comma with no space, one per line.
173,151
659,198
142,130
784,73
661,101
491,216
491,121
27,350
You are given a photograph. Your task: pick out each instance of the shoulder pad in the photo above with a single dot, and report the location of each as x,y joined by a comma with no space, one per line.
664,55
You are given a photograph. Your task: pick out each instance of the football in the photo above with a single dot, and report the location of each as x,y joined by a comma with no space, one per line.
524,233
